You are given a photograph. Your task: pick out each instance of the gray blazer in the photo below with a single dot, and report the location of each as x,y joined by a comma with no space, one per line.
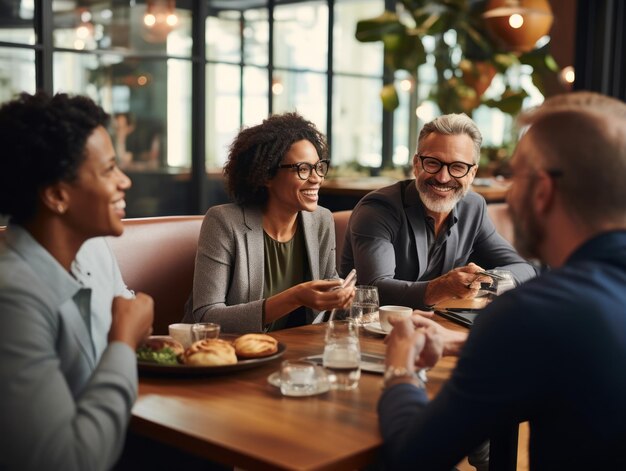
386,243
228,280
63,386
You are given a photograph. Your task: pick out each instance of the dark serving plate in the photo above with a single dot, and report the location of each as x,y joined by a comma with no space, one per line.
154,369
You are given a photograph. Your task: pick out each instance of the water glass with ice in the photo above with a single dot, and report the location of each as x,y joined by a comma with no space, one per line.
342,354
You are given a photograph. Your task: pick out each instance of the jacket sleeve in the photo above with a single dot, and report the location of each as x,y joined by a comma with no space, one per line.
373,235
50,428
491,250
493,387
219,269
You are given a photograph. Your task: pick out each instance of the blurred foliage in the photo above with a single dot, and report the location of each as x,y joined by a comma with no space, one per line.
465,69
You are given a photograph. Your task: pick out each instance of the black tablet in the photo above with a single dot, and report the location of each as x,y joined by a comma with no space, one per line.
464,317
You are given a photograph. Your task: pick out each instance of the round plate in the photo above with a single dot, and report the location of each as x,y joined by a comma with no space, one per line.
374,328
147,368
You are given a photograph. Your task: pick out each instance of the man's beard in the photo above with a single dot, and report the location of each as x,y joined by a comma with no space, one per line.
436,203
528,233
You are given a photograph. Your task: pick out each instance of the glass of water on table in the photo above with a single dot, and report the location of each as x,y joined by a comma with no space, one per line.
365,305
342,354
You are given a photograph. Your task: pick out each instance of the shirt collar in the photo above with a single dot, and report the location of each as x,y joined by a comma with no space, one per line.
451,220
45,267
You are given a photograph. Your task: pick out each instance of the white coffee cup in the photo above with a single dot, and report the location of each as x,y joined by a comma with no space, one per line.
182,333
385,312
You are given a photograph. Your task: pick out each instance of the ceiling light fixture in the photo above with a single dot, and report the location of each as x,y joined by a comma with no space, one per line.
518,24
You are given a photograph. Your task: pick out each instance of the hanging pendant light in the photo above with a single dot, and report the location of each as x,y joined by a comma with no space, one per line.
518,24
159,20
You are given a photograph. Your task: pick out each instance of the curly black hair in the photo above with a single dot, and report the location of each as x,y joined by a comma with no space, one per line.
257,151
43,139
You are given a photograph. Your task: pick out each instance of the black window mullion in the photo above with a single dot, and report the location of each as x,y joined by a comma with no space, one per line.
43,54
270,57
329,77
199,183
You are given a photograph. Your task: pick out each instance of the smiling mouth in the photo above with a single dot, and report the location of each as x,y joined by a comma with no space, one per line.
310,193
442,188
119,206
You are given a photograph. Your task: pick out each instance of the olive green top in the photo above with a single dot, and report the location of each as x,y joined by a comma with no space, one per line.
286,265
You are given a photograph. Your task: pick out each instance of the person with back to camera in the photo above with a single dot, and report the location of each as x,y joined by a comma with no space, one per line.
267,261
552,351
68,325
426,240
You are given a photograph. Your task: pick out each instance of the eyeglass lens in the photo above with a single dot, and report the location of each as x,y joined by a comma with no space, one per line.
456,169
304,169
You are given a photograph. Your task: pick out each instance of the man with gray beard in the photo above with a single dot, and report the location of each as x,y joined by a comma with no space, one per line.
423,241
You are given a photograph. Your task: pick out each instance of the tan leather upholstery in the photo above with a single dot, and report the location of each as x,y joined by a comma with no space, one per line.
499,214
341,225
157,256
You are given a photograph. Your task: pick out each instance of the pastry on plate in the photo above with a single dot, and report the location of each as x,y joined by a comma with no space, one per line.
255,345
210,352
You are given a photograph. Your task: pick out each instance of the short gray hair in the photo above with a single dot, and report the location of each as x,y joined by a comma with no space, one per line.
583,134
450,125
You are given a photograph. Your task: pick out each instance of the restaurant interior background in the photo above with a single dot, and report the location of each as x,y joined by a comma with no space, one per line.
181,77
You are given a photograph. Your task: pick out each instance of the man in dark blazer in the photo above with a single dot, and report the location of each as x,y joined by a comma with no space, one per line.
423,241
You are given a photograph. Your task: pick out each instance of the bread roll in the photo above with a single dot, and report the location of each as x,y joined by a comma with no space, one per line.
210,352
255,345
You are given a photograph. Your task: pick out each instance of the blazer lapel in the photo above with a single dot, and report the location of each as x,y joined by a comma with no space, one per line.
310,229
77,328
415,215
452,244
253,219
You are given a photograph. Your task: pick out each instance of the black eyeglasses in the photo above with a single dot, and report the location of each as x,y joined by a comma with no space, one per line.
455,169
304,168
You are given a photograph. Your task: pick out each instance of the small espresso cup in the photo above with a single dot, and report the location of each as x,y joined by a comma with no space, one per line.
182,333
385,312
204,331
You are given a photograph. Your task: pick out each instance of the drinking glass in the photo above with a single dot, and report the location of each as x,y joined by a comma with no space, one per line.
365,305
502,281
204,330
342,354
505,281
298,378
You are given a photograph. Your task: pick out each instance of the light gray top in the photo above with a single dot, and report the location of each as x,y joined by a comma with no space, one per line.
228,278
66,395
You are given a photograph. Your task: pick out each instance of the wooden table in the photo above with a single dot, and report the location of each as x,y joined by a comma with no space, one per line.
239,419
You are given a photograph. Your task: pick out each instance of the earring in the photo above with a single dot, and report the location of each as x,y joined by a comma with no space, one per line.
60,208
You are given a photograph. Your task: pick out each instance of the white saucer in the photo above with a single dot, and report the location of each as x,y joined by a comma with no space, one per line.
374,328
323,384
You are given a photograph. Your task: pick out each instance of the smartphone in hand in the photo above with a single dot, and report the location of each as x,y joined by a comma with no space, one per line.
349,280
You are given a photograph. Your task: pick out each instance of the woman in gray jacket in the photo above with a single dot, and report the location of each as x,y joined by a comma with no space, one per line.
267,262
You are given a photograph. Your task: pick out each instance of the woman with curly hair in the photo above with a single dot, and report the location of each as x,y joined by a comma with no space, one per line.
264,262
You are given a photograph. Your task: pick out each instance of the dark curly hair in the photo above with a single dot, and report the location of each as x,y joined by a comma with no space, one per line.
43,141
257,151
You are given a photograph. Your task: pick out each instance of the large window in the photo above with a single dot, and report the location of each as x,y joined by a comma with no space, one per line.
140,62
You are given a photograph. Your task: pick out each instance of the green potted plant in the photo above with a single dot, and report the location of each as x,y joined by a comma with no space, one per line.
465,56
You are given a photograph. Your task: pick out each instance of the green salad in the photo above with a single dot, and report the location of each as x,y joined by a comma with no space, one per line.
165,356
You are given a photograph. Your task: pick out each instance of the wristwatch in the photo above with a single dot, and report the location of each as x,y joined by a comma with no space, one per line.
393,372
